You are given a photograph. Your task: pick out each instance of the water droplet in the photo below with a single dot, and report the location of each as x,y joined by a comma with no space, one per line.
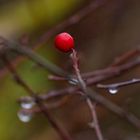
27,104
24,117
73,81
113,90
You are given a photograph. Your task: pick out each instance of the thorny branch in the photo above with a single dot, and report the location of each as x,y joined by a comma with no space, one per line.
125,57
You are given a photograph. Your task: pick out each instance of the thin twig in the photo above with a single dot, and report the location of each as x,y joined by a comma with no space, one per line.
113,71
84,89
119,84
131,118
126,56
25,50
61,131
106,73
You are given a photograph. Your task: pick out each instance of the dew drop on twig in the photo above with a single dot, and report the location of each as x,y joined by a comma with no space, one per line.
24,117
27,104
113,90
73,81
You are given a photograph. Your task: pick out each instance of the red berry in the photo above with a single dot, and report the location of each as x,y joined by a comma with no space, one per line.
64,42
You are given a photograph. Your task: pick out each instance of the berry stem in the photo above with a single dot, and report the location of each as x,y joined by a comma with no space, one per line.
84,89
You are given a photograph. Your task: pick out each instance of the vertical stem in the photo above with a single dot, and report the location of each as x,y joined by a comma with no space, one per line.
95,122
83,86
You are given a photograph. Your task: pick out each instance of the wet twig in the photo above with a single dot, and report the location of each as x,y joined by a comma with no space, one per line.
94,123
44,109
99,76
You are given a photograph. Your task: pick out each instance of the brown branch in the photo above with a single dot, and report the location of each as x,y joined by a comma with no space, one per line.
119,84
126,56
61,131
106,73
84,89
113,71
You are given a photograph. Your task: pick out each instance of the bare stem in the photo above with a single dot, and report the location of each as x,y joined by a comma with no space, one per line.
83,87
93,78
125,57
